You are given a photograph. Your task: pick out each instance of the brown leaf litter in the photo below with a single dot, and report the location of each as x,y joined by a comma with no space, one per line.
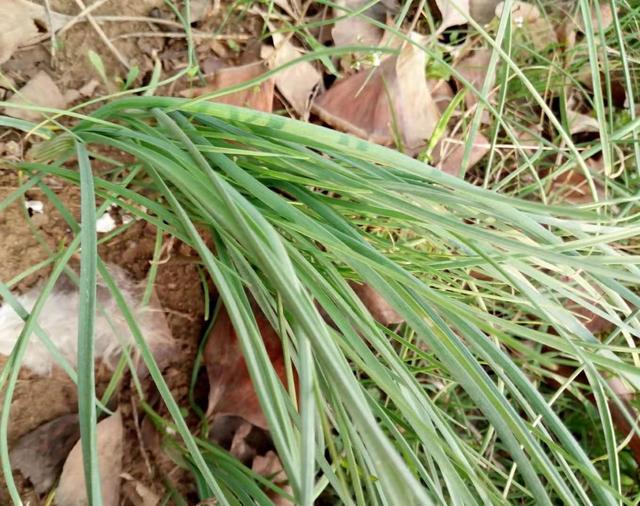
231,389
71,487
259,97
40,91
385,104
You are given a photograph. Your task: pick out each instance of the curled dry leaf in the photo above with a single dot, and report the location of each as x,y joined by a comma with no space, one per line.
71,488
270,467
231,389
441,93
18,27
538,28
379,308
356,30
473,68
580,123
40,91
39,455
296,83
378,103
448,156
572,186
258,97
453,12
138,494
601,17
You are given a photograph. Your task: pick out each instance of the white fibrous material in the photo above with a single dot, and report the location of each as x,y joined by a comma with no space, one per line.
59,321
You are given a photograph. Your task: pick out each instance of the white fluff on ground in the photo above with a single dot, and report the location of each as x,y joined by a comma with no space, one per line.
59,320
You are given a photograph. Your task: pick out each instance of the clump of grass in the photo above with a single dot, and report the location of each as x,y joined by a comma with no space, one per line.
464,402
446,408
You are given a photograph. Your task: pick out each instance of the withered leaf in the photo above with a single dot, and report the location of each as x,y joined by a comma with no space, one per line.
71,488
379,308
40,454
231,389
258,97
380,103
40,91
296,83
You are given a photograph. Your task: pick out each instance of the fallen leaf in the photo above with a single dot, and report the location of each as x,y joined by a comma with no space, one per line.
259,97
483,11
71,488
473,68
18,24
392,98
572,186
200,9
453,12
580,123
296,83
231,389
441,93
40,91
537,27
379,308
39,455
137,493
601,17
356,30
270,467
447,156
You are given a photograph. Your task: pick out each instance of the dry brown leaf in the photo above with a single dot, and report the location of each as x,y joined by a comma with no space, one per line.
231,389
18,24
448,156
601,17
270,467
40,91
40,454
137,493
441,93
572,186
580,123
379,308
258,97
473,68
483,11
71,488
395,98
528,17
453,12
296,83
355,30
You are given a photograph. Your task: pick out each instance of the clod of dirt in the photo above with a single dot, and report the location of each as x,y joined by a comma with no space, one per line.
40,91
296,83
379,308
71,489
231,389
39,455
59,320
377,103
257,97
19,22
